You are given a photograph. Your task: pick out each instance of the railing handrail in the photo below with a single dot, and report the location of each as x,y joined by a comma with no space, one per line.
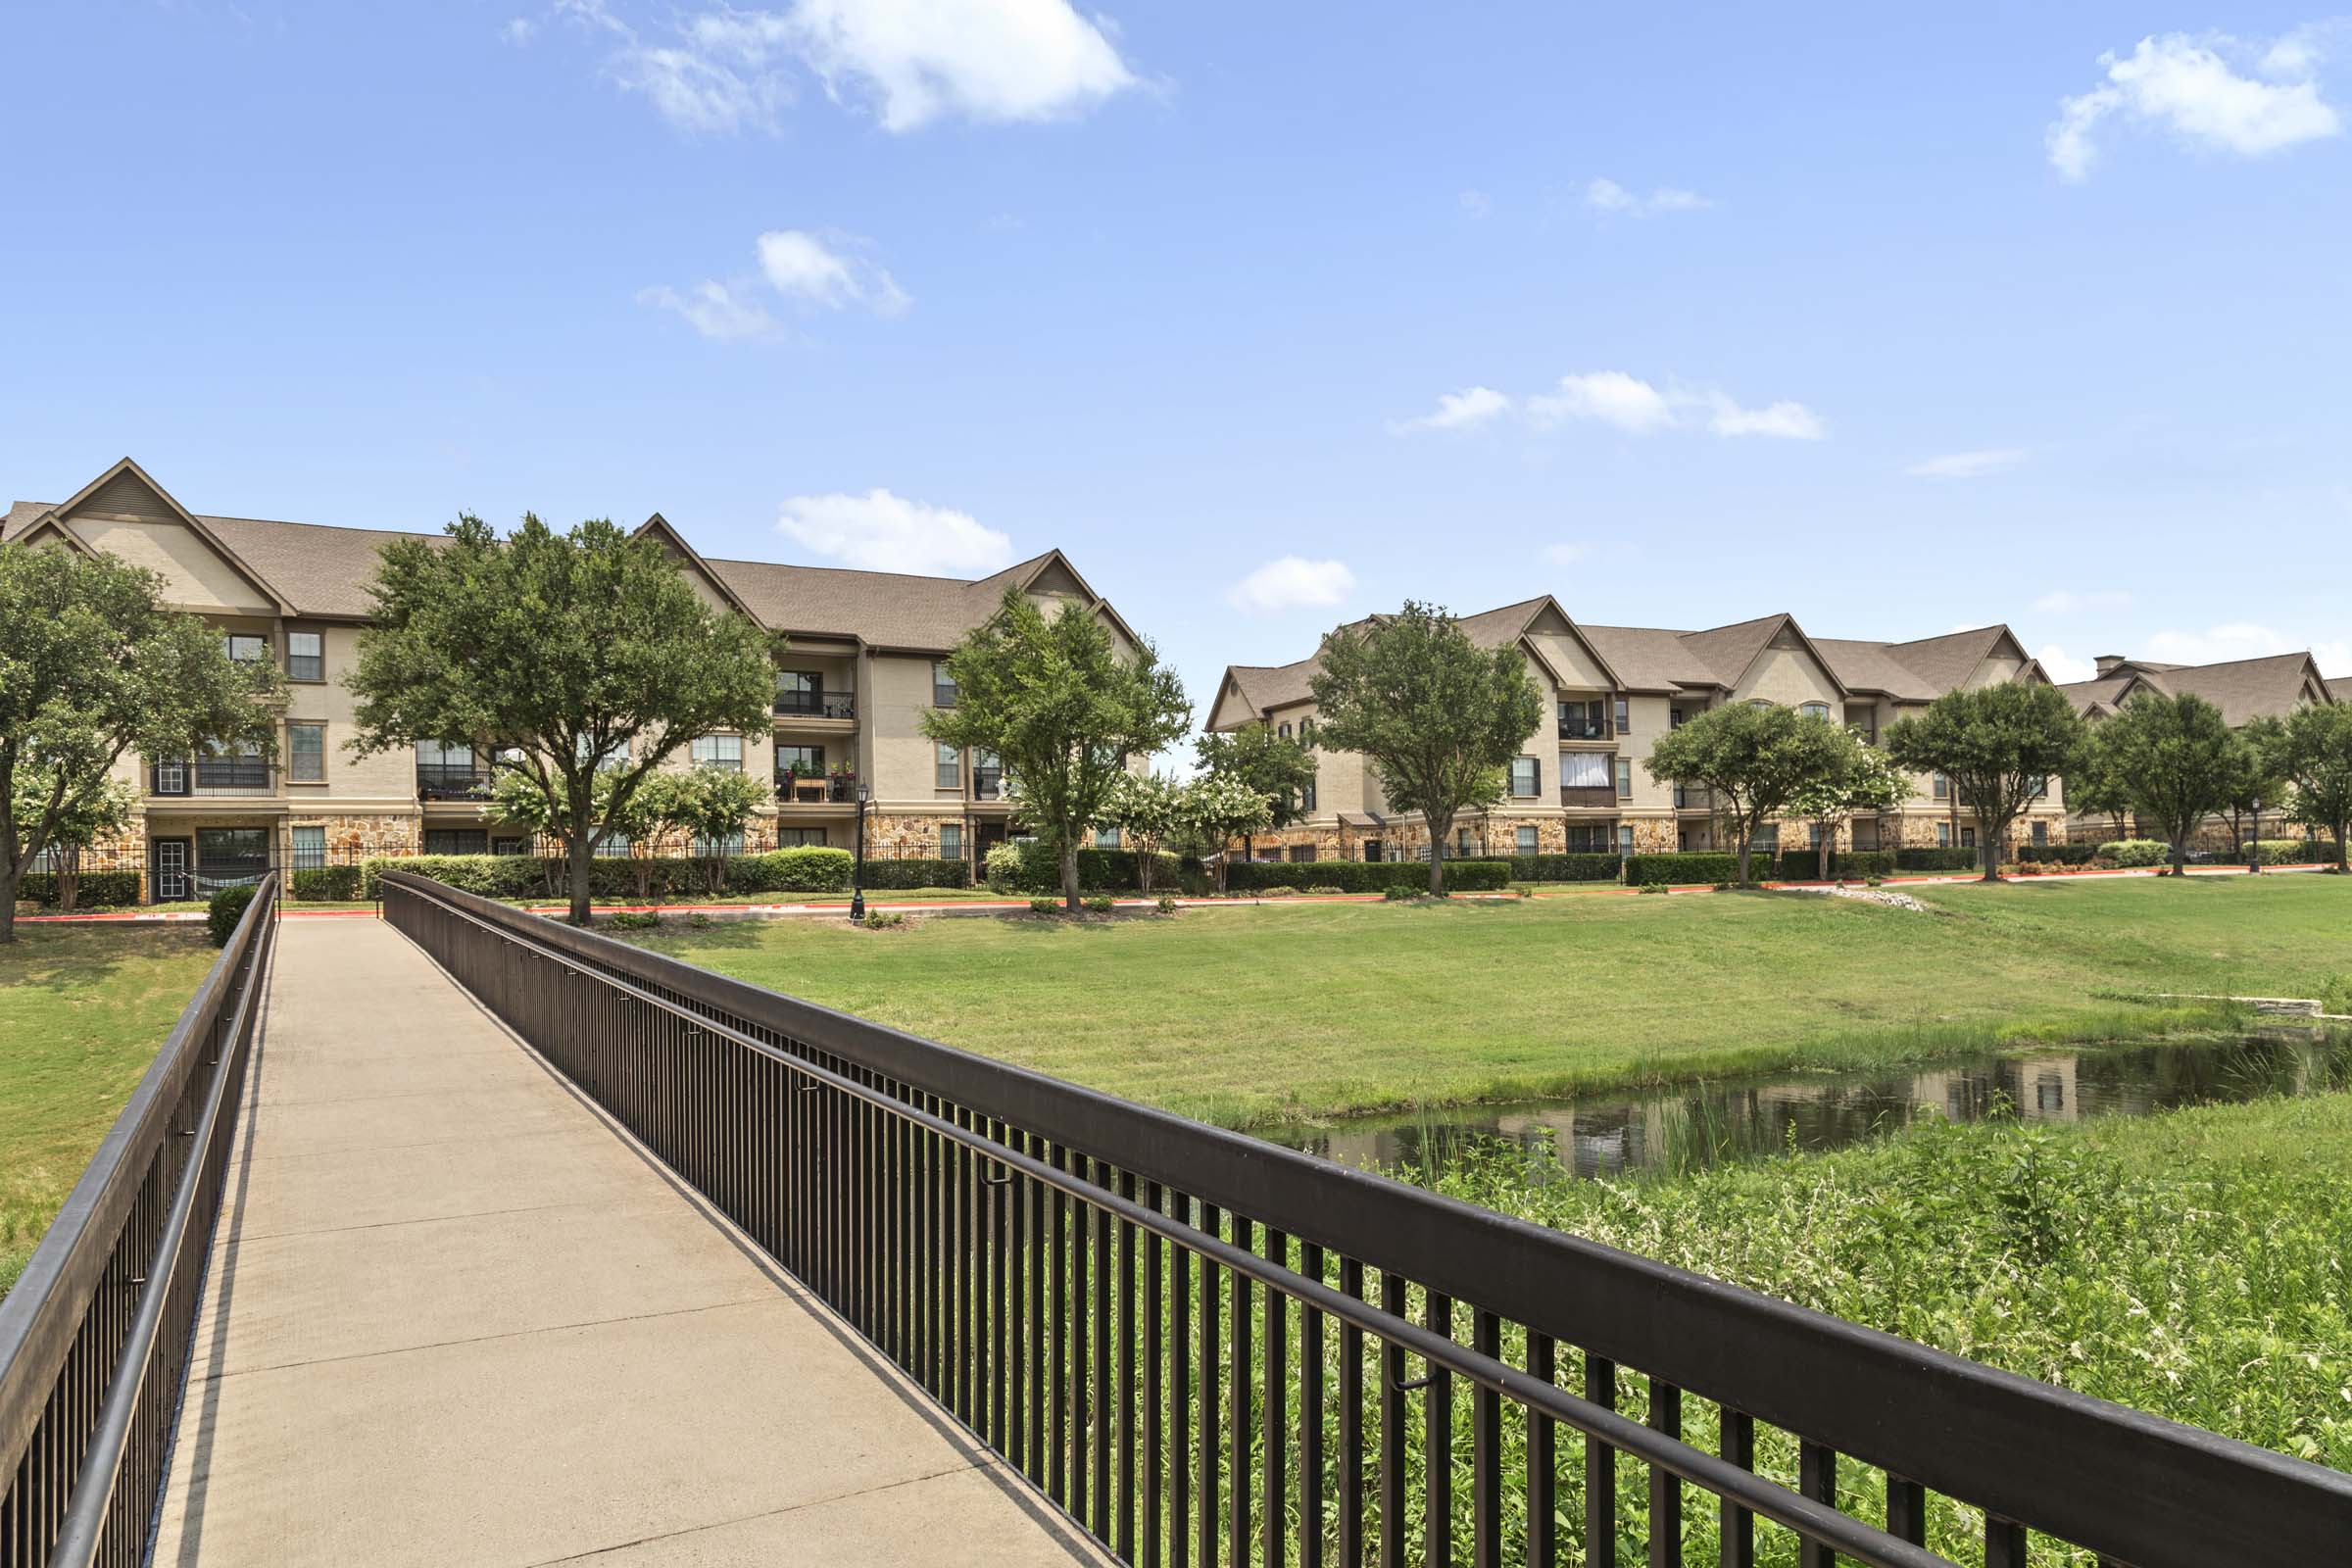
2059,1460
42,1316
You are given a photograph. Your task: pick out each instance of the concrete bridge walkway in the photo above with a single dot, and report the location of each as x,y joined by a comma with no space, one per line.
455,1316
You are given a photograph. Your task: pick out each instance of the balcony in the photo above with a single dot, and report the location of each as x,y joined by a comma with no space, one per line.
452,781
815,789
988,783
209,776
1580,728
1687,799
816,705
1589,797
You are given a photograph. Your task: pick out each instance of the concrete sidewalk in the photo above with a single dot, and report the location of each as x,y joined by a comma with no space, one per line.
455,1316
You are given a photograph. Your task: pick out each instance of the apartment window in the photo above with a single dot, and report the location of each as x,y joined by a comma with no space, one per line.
1757,702
1527,776
1624,839
801,761
1674,719
1106,838
1584,721
1625,715
1301,852
306,753
1306,732
244,647
616,755
1583,770
310,847
1624,779
2042,786
1813,836
2041,832
1943,835
943,687
1525,839
1461,842
713,849
1283,729
949,768
611,845
1940,787
509,845
800,691
717,750
1768,839
800,838
306,656
465,841
987,776
1588,837
1968,838
1306,796
951,841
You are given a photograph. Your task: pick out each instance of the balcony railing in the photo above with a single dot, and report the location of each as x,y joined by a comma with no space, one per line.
452,781
1694,800
1576,728
816,705
988,783
213,775
1589,796
815,789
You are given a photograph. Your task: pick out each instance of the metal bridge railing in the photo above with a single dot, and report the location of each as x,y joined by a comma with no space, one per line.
1205,1348
94,1337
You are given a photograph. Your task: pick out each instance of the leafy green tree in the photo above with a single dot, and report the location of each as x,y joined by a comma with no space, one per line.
1217,809
570,653
1437,717
1868,782
2251,780
2313,753
712,805
2177,755
1757,758
93,667
1146,809
90,816
2094,787
1999,746
1276,765
1063,710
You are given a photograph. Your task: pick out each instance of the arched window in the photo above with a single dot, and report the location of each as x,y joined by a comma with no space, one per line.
1815,709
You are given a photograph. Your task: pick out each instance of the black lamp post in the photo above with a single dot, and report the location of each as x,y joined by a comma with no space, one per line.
858,865
2254,844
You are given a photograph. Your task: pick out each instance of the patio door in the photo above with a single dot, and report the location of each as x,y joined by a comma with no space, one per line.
230,857
168,870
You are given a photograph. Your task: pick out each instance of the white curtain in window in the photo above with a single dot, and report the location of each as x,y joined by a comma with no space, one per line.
1584,771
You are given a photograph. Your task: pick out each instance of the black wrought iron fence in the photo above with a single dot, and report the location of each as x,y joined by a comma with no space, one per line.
1208,1349
94,1337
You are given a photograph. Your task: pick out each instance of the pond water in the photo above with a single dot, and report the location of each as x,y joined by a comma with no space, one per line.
1670,1131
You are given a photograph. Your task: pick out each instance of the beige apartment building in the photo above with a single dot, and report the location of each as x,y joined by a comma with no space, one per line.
1610,691
2243,689
862,662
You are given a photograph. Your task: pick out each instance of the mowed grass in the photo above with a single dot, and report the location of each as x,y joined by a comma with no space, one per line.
82,1012
1250,1015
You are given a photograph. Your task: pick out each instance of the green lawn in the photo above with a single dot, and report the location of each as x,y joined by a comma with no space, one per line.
1251,1014
82,1011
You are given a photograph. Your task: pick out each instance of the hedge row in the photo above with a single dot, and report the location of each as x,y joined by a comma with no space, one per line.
324,884
913,873
2057,854
1367,876
806,869
1682,867
2136,852
92,889
1098,870
1804,865
1562,867
1946,860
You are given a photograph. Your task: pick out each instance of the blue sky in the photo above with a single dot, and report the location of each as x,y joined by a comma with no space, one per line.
1269,315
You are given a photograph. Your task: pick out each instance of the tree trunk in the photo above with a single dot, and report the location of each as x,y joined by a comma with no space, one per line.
2340,828
1437,856
583,849
10,882
1989,847
1747,839
1826,835
1222,861
1069,875
1142,870
2181,856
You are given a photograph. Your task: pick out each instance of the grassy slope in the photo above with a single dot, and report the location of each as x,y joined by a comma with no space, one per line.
82,1009
1249,1015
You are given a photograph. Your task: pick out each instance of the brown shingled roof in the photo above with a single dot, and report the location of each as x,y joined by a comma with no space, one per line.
322,570
2243,689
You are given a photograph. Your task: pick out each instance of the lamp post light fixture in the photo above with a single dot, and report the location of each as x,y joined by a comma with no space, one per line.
2254,844
858,865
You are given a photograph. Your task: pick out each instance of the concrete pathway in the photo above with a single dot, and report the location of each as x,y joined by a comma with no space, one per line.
455,1316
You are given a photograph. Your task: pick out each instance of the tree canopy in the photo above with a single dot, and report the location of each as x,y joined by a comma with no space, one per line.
1064,712
561,654
1276,765
1757,758
2177,755
1217,809
92,667
2313,753
1868,781
1436,716
1999,746
1147,811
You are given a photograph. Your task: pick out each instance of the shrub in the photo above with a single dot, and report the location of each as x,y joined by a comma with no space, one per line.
1371,876
1282,892
804,868
1095,904
92,889
1655,887
884,921
633,920
1804,865
1563,868
2056,854
1045,905
918,874
807,868
1001,866
1324,889
1167,905
1948,859
224,911
1398,892
327,884
1098,870
1700,865
2292,851
2136,852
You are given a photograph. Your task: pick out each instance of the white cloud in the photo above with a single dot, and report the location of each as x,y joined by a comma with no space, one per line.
1567,554
2064,667
1612,397
714,310
1293,583
1785,420
1458,410
879,531
1476,203
2190,86
911,61
1968,465
801,264
1607,196
2242,640
2065,601
519,31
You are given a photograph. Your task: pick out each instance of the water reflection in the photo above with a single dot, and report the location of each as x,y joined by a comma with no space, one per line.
1680,1130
